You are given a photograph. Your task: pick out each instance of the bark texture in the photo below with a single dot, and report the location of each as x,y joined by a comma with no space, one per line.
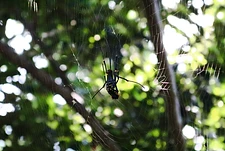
168,82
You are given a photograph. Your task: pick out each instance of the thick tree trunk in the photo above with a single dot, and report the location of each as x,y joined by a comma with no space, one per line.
166,71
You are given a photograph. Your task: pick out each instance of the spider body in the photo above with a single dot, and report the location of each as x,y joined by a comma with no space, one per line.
111,82
111,78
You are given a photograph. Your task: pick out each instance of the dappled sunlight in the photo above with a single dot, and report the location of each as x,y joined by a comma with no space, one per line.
30,96
58,81
182,68
185,26
173,40
20,39
58,99
6,108
3,68
118,112
132,15
2,96
77,97
88,128
40,61
83,75
197,4
71,76
63,67
112,5
10,89
69,41
13,28
8,129
17,78
189,132
220,103
203,20
2,143
199,142
172,4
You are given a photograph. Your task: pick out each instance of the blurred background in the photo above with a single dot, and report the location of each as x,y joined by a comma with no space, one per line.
76,36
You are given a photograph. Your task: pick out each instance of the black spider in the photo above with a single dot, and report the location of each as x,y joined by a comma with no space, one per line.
111,79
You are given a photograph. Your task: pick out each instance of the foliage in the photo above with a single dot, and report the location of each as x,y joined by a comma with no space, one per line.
64,33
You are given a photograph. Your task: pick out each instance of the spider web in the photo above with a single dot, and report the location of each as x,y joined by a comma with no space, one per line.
118,106
108,50
140,56
193,71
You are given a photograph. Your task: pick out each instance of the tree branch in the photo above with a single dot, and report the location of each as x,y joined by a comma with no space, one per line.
47,51
45,79
171,95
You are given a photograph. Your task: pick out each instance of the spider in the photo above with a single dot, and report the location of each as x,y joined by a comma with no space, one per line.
111,79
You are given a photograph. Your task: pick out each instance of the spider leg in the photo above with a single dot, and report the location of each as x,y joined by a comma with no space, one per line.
119,77
116,74
116,88
104,68
98,91
116,71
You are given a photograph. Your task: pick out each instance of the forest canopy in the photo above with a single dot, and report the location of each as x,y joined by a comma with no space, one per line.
112,75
